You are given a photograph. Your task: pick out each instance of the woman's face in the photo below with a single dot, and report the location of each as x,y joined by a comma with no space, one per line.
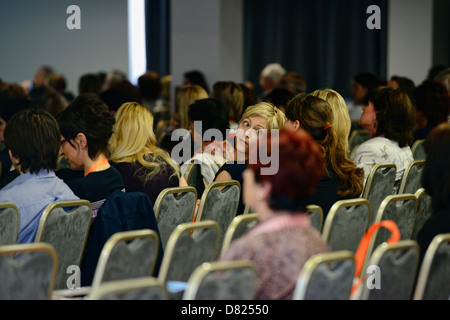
71,153
248,134
368,119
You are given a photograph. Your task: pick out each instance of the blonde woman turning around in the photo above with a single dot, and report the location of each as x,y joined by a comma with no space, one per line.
144,167
257,120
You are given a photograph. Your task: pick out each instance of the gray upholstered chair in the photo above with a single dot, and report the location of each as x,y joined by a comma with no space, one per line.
189,245
418,150
30,275
194,178
9,223
219,203
238,226
392,272
356,138
433,282
174,206
224,280
379,184
400,208
424,211
326,276
316,216
346,224
65,225
126,255
145,288
411,180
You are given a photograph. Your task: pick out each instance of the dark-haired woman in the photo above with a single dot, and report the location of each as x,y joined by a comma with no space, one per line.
390,119
86,127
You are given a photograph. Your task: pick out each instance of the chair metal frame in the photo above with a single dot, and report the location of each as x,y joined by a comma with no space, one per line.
206,268
311,265
112,242
427,263
126,286
6,205
379,253
347,204
173,239
235,223
405,177
64,204
313,209
30,248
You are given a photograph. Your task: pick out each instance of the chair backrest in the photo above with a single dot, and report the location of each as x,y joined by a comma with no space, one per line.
356,138
411,180
9,223
194,178
174,206
392,271
379,184
189,245
222,280
433,282
346,224
418,150
31,274
65,225
424,211
219,203
238,226
326,276
400,208
145,288
126,255
316,216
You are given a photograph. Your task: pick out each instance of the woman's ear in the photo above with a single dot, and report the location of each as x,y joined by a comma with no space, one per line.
264,191
81,140
296,124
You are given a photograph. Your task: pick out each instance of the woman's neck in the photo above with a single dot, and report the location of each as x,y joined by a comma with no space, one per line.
99,163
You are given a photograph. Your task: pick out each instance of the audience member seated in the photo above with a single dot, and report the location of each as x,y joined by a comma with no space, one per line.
283,240
362,84
58,82
280,97
341,119
35,159
341,178
443,78
197,77
232,97
118,93
144,167
269,77
45,97
436,181
250,96
185,96
258,120
403,84
13,98
90,83
390,119
210,127
86,127
294,82
432,105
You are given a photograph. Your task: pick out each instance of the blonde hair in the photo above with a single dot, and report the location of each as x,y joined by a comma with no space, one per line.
133,140
186,96
341,119
274,116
